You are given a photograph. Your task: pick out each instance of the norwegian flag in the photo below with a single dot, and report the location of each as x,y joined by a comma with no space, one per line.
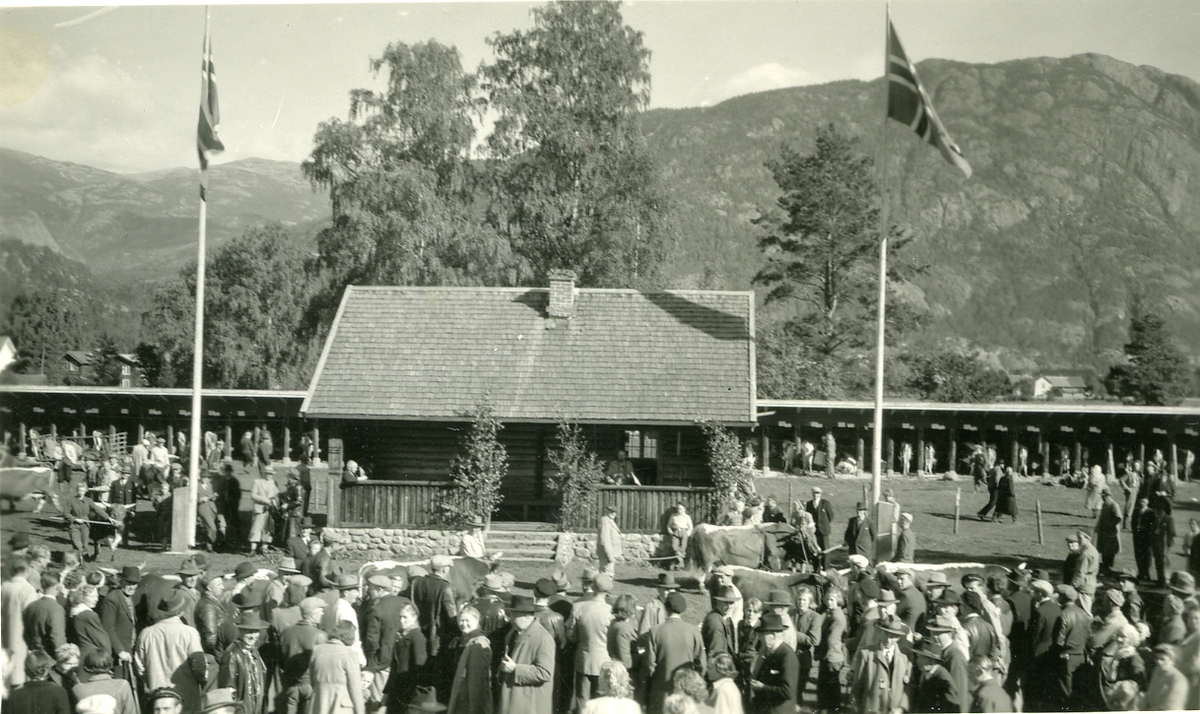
207,141
909,105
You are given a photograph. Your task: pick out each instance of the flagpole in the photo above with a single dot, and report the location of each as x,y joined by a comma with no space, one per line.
198,345
877,431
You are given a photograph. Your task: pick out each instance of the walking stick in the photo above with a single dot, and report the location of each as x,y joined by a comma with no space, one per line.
127,667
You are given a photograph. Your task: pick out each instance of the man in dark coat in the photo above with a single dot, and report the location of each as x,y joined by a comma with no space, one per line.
1020,603
434,597
213,621
1108,531
822,513
860,534
45,619
993,486
409,655
937,692
911,608
1040,684
1143,522
296,644
379,632
717,630
774,681
117,615
671,645
1070,638
1006,495
318,566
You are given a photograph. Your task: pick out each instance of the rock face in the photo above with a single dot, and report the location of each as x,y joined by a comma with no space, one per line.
1086,185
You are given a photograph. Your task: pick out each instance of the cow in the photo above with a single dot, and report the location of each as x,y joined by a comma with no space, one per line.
20,480
749,546
466,574
759,584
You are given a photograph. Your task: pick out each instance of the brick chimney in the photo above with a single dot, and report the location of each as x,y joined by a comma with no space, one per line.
562,294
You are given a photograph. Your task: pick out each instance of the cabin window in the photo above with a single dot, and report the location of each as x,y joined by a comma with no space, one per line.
641,444
125,370
125,383
71,367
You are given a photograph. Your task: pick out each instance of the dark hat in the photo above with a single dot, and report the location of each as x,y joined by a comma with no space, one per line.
217,698
1124,575
1182,584
249,620
666,581
346,581
610,508
203,667
19,541
676,603
771,622
1018,576
1040,574
544,587
779,598
521,605
971,578
244,570
165,693
726,594
130,574
860,506
893,626
886,597
930,650
306,522
949,597
869,588
172,604
425,700
188,568
248,599
288,565
938,624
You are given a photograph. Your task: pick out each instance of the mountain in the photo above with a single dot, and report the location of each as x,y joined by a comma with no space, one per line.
1086,191
144,225
1086,187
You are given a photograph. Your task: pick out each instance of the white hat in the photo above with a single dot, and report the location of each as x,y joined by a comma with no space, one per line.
860,560
97,704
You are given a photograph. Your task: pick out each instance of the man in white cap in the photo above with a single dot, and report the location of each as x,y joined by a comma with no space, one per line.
608,541
97,704
1040,686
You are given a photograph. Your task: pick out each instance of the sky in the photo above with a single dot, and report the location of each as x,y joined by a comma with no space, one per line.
118,87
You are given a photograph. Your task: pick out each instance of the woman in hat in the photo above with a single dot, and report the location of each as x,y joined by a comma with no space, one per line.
83,624
336,674
242,668
471,692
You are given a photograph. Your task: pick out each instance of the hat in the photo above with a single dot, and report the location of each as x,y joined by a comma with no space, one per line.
19,541
676,603
521,605
544,587
860,506
380,581
165,693
248,599
1182,584
723,570
610,508
346,581
589,574
302,580
893,626
172,604
217,698
726,594
561,581
1073,538
131,574
306,522
1041,574
1165,649
905,571
417,571
1018,576
817,489
244,570
939,624
1043,586
493,582
249,620
930,650
779,598
937,578
203,667
971,578
1069,592
859,560
398,582
312,603
869,588
97,704
666,581
886,597
771,622
438,562
188,568
1124,575
1116,597
949,598
906,516
289,565
476,522
603,583
425,700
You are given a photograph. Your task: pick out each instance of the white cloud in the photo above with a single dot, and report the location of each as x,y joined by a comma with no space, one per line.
764,77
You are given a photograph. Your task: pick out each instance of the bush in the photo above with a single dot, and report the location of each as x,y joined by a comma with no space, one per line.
732,476
577,478
477,473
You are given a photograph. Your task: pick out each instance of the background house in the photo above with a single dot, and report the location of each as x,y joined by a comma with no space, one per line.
1060,387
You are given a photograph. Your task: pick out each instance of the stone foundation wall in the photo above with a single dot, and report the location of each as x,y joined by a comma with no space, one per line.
634,546
387,543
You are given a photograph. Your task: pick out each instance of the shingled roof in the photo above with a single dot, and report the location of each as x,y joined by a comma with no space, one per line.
624,356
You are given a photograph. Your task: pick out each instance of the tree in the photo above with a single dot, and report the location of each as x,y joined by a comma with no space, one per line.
401,184
576,186
578,474
46,323
1156,371
256,296
821,245
952,377
478,473
106,362
732,477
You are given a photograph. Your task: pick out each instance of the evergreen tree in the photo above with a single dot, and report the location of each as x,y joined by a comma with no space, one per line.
1156,371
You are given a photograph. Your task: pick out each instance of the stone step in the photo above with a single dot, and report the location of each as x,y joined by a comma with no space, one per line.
539,553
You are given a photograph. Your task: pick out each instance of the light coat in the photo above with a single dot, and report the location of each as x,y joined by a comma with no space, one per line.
336,680
588,629
528,689
876,687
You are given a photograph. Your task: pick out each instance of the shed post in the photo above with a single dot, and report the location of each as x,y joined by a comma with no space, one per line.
765,451
830,452
1174,459
920,449
228,441
1039,453
316,437
21,437
287,445
891,456
54,430
860,454
1142,455
952,454
1111,466
141,432
1077,455
170,439
1016,447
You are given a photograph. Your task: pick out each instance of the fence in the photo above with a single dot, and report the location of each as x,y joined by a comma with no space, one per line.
644,509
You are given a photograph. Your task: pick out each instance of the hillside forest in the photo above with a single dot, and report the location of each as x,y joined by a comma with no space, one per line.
1074,249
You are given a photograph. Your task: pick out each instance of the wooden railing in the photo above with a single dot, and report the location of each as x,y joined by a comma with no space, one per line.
389,503
643,509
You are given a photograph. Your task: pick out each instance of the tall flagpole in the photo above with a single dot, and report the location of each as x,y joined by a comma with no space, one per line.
198,344
877,431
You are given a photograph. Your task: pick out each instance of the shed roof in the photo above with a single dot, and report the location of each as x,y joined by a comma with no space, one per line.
79,356
1061,381
625,356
